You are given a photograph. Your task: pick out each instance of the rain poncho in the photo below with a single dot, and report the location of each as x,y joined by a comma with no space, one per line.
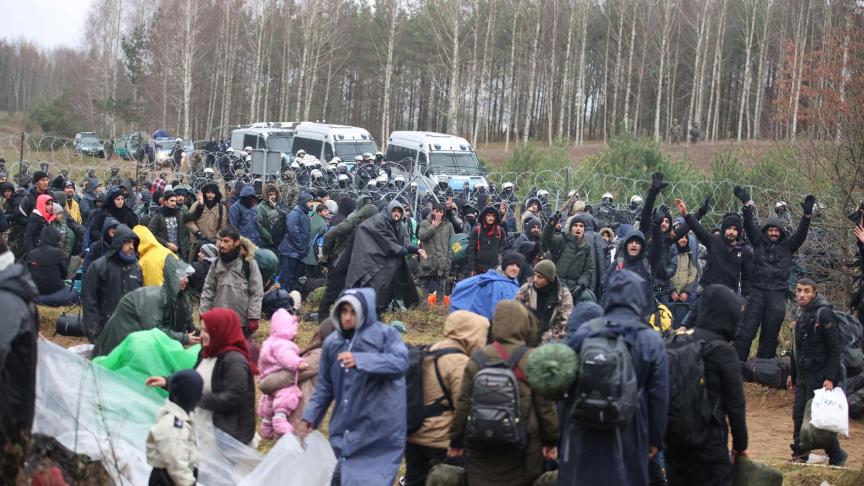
481,293
367,429
151,256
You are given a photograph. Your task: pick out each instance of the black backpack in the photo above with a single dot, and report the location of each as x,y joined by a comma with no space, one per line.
852,340
607,393
276,222
418,411
690,412
495,418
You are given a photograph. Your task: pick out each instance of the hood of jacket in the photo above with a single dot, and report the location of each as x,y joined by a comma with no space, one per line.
247,191
731,219
468,329
346,207
212,186
394,204
531,223
171,273
720,311
5,186
248,249
16,280
107,225
304,198
589,222
819,301
634,234
124,234
532,200
366,314
775,222
489,210
582,313
147,242
513,323
42,202
110,195
625,290
92,184
49,237
283,325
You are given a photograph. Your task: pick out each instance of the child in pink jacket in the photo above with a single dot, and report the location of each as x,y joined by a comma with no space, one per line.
278,353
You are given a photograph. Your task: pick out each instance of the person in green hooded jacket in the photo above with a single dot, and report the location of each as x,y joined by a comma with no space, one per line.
166,307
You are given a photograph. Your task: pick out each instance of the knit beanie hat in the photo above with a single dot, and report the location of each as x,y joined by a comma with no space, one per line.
511,257
547,269
185,388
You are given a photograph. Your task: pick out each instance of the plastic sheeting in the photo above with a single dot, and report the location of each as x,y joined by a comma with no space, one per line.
309,464
96,412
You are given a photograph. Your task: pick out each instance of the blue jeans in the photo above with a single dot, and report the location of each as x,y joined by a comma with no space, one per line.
64,296
290,269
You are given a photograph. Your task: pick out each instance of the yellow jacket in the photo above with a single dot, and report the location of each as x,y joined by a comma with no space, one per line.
151,256
73,209
171,444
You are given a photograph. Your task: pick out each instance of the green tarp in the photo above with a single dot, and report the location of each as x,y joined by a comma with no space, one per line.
149,353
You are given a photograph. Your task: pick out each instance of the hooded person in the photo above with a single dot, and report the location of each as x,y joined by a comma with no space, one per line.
49,268
101,246
18,358
681,275
280,353
513,329
269,213
773,256
530,242
109,278
207,254
151,256
114,206
434,234
550,301
362,372
207,215
378,258
582,313
481,293
464,334
716,324
243,216
346,207
573,257
295,244
172,443
601,256
166,308
631,255
594,456
42,216
486,241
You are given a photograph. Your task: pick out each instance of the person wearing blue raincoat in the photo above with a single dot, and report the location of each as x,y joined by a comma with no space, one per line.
481,293
589,456
362,373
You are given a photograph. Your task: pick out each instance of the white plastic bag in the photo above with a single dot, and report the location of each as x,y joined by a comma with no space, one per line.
830,411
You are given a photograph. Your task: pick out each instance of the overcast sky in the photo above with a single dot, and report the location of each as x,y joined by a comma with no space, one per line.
48,23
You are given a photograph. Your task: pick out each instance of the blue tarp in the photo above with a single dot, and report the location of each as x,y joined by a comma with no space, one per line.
481,293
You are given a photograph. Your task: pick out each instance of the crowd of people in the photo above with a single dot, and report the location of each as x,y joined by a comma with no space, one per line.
517,272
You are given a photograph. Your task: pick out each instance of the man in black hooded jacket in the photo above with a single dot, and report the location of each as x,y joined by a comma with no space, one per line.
17,358
773,252
486,242
718,318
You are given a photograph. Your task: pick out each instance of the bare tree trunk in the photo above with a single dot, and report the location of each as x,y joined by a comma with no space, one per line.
605,90
694,111
484,77
551,74
760,76
388,69
750,7
637,111
631,48
800,48
191,17
517,5
566,89
535,47
616,82
667,12
580,84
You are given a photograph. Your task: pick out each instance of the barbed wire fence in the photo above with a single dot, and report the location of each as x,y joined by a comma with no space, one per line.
827,255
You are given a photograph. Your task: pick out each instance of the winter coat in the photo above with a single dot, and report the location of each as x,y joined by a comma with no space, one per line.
166,308
601,258
590,456
639,265
172,444
574,258
816,350
480,294
263,212
561,304
18,350
232,396
295,243
463,331
307,380
101,246
512,327
317,227
123,214
245,218
485,244
378,257
719,314
337,240
436,242
107,280
280,353
158,225
772,260
208,220
151,256
368,424
228,286
47,264
39,218
729,265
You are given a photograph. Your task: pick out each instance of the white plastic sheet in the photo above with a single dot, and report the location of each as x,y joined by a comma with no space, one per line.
830,411
95,412
309,464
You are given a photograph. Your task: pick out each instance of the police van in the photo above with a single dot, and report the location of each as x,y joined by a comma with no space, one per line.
429,155
270,136
327,141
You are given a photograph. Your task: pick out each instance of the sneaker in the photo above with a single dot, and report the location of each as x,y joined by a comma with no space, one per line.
839,460
798,455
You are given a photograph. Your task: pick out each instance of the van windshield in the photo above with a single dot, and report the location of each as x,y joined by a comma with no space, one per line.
454,163
280,143
348,150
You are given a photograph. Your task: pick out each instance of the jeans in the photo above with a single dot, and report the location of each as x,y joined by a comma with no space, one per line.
290,269
64,296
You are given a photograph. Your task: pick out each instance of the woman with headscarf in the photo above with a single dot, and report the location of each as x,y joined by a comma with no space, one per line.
41,217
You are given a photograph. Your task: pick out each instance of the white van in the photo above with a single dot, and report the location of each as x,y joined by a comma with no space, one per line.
432,154
327,141
275,137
